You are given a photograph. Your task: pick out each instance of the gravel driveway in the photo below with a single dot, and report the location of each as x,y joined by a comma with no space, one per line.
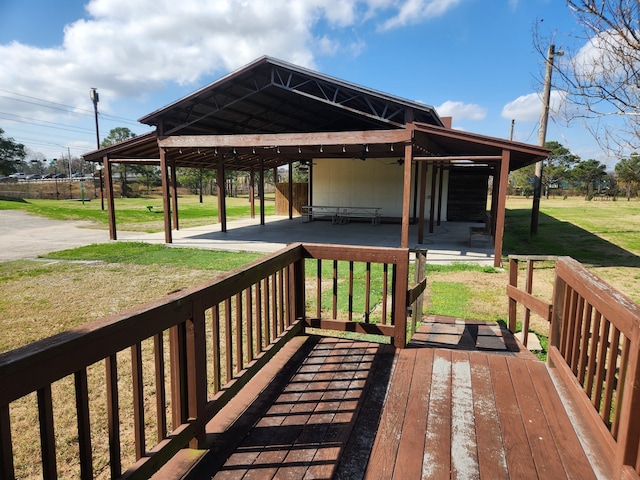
23,235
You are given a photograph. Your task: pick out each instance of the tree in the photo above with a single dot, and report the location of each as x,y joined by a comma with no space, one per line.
600,79
117,135
628,173
12,154
587,173
557,168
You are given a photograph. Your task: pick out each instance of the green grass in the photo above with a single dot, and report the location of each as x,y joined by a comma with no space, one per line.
146,254
450,299
132,214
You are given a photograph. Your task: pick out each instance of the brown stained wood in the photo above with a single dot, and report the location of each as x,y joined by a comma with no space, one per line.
281,302
138,400
249,324
577,335
492,463
84,425
612,379
543,450
346,326
350,316
113,415
161,394
334,290
6,449
385,293
534,304
383,454
228,337
47,433
437,454
215,348
518,454
603,352
266,309
587,328
274,306
239,347
367,292
414,425
566,442
593,354
287,140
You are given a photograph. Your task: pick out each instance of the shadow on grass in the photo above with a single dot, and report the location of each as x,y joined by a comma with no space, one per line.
560,238
12,199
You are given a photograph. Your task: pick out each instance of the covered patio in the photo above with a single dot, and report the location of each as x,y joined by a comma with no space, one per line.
271,114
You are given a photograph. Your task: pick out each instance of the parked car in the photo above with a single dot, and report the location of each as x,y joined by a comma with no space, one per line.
19,175
32,176
78,175
47,175
8,180
59,175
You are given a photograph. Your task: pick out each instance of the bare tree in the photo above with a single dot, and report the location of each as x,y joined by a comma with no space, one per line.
600,76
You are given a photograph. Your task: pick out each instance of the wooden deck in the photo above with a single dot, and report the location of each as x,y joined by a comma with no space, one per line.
466,401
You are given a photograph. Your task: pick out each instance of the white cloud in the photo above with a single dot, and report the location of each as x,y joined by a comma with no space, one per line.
412,12
461,111
528,108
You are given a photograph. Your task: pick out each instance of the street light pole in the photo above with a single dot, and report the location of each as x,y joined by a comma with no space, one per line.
542,134
93,94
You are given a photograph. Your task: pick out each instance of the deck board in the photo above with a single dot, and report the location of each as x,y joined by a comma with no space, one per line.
353,410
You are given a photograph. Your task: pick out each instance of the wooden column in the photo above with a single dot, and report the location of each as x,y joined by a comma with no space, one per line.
406,195
261,191
166,201
432,204
440,182
222,203
423,193
252,193
174,194
290,190
111,207
502,205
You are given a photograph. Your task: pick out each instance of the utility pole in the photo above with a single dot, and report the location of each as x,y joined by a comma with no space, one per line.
95,98
542,134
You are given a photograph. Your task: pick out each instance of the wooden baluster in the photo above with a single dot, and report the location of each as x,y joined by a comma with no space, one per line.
47,433
6,449
138,400
84,425
113,415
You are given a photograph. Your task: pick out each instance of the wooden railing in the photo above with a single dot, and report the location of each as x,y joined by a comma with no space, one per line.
594,348
119,397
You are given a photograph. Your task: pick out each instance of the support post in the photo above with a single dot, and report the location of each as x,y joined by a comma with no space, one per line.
261,191
432,205
423,192
252,193
166,200
502,205
221,190
406,195
111,206
174,194
290,190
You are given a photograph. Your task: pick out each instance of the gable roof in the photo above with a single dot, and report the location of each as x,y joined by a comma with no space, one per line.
272,96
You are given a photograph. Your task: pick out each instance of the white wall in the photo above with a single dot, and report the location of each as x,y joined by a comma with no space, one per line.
375,182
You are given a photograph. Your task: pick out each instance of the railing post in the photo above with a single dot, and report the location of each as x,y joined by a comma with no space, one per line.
196,372
178,378
420,275
297,291
6,448
557,310
629,435
400,285
513,304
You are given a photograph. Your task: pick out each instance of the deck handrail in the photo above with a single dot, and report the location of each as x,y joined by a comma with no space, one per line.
594,346
219,335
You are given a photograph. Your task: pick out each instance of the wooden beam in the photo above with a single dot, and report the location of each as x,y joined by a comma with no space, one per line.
459,158
287,139
502,205
166,201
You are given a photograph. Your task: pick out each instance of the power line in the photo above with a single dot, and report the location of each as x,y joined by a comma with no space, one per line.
43,123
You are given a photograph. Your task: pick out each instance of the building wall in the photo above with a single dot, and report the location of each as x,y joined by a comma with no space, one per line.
375,182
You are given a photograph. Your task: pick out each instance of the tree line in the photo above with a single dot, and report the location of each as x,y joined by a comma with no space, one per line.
565,172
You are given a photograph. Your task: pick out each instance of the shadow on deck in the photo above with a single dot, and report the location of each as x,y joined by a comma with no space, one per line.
466,400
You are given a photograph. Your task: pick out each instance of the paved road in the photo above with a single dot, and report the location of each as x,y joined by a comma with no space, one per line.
23,235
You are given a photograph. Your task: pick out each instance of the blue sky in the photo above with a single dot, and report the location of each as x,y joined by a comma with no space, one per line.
471,59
